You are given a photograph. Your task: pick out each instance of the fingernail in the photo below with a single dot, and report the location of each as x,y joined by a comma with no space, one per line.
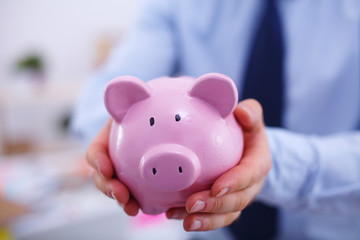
195,226
222,192
113,195
198,206
109,192
102,175
98,169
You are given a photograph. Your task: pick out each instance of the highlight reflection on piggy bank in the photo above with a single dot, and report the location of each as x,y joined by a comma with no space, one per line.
172,137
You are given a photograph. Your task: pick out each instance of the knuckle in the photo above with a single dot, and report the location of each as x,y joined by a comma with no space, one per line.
257,191
216,205
210,225
253,180
233,217
240,204
264,166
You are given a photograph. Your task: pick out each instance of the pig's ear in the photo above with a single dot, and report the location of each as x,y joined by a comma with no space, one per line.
123,92
218,90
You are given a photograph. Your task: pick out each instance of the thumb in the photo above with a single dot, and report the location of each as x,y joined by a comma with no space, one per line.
255,162
97,154
250,115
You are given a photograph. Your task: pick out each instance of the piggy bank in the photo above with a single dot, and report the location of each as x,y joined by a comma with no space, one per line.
172,137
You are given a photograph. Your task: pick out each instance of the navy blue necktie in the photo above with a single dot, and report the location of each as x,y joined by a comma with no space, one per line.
264,82
264,76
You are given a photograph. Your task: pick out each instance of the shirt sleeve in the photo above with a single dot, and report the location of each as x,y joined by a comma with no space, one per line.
147,53
318,174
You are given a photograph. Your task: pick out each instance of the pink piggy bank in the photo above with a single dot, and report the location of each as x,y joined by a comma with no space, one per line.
172,137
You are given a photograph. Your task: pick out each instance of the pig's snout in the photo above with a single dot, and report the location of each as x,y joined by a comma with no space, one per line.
170,167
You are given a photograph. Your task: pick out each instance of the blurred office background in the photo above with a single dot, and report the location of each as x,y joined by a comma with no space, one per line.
47,51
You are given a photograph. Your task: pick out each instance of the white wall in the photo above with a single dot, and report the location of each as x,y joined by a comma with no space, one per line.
65,32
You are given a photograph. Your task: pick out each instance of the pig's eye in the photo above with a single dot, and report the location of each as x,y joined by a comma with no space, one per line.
152,121
177,117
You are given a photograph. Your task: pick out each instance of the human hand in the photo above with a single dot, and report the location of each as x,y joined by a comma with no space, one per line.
235,189
98,157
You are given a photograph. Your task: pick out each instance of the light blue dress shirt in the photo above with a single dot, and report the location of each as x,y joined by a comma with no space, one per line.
315,178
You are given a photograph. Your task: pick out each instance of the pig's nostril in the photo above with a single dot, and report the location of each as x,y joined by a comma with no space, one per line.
180,170
154,171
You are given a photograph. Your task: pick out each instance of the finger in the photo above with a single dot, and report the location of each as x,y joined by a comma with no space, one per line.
176,213
102,163
233,202
112,188
132,207
99,144
249,114
102,184
242,176
206,222
256,161
97,153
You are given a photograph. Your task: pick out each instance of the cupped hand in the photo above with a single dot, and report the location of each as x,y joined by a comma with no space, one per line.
104,177
235,189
